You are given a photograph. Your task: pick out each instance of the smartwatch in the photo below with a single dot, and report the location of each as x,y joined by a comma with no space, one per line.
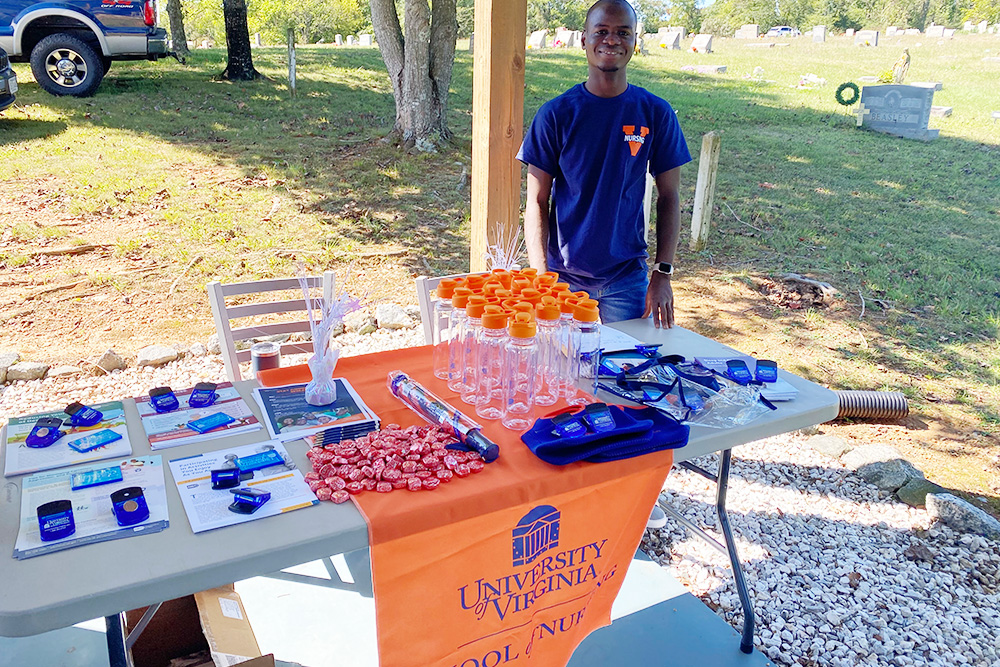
666,268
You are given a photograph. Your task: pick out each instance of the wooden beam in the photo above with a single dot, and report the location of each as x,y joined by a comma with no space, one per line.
497,123
704,192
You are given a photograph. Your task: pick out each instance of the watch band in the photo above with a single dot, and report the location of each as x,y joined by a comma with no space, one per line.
665,268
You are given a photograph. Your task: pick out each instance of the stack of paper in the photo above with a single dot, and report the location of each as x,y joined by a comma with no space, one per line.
208,508
20,459
170,429
772,391
92,511
288,416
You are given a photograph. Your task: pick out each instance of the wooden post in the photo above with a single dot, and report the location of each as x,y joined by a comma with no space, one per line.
291,61
704,192
497,122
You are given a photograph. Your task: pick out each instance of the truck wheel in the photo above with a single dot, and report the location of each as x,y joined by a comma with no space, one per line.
66,65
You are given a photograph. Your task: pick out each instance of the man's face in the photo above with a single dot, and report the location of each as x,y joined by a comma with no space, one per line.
609,38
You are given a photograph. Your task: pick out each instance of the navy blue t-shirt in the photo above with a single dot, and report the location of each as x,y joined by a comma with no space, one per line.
596,149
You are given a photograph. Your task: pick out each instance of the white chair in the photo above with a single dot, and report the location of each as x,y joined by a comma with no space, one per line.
223,314
425,286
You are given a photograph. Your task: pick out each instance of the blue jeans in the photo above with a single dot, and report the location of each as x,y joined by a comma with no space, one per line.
621,299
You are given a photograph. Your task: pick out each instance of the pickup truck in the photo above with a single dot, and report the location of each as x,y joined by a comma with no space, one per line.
72,43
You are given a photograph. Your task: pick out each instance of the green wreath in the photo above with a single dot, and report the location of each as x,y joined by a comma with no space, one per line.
853,99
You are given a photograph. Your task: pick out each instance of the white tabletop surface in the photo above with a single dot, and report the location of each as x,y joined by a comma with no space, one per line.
60,589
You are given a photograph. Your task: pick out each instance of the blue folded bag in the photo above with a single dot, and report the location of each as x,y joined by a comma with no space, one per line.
636,431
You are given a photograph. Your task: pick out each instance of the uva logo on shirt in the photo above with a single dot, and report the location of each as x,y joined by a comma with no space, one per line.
635,141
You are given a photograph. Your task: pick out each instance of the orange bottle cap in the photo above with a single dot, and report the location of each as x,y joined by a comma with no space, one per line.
559,287
446,288
566,305
504,293
461,297
504,276
509,303
547,278
522,326
531,294
547,311
529,273
493,299
476,306
491,287
524,307
549,300
581,294
494,317
586,311
519,284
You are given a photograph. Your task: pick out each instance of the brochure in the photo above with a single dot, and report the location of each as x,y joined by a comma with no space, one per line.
208,508
20,459
288,416
170,429
93,514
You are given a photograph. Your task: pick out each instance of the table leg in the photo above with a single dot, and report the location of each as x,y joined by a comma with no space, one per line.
119,643
729,548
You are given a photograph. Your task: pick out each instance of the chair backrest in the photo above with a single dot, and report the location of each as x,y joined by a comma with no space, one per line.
425,286
223,314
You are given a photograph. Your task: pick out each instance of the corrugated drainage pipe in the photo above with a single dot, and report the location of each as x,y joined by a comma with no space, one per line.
872,404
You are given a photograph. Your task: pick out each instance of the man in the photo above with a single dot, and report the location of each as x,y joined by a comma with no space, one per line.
587,151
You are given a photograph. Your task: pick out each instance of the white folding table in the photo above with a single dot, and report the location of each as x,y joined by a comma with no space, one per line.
67,587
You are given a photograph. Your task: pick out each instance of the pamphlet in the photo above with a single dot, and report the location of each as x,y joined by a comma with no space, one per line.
92,508
208,508
170,429
772,391
20,459
613,340
288,416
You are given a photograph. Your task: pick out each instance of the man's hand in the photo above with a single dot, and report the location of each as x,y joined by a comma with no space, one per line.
660,300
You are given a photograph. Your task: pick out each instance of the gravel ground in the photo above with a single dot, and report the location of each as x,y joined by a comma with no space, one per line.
839,572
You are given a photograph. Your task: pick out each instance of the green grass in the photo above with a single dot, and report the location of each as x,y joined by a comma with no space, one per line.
239,173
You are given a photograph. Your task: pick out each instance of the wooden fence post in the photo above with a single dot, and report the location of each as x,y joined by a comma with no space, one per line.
704,193
291,61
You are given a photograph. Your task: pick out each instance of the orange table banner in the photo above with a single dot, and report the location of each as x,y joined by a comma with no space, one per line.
514,565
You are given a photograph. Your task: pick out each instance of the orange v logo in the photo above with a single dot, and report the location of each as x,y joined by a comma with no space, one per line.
635,141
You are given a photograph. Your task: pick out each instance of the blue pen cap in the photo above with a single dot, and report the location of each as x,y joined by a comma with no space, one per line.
55,520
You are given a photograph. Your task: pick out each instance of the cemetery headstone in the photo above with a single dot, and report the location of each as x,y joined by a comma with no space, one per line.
537,39
472,42
673,28
256,39
338,40
967,26
364,40
350,40
702,43
849,32
704,69
819,33
949,33
578,39
205,44
911,31
936,85
891,31
866,38
902,111
748,31
562,38
935,31
670,40
982,27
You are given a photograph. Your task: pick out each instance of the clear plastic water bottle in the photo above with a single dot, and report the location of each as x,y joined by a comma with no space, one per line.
548,384
569,367
492,338
456,344
520,367
587,345
470,357
440,327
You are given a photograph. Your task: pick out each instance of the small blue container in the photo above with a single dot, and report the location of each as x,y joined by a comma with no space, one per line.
55,520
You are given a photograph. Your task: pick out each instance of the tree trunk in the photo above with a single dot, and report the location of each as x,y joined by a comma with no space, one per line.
177,35
419,66
240,63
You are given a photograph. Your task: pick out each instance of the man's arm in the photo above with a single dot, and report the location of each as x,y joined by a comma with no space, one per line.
660,295
536,217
